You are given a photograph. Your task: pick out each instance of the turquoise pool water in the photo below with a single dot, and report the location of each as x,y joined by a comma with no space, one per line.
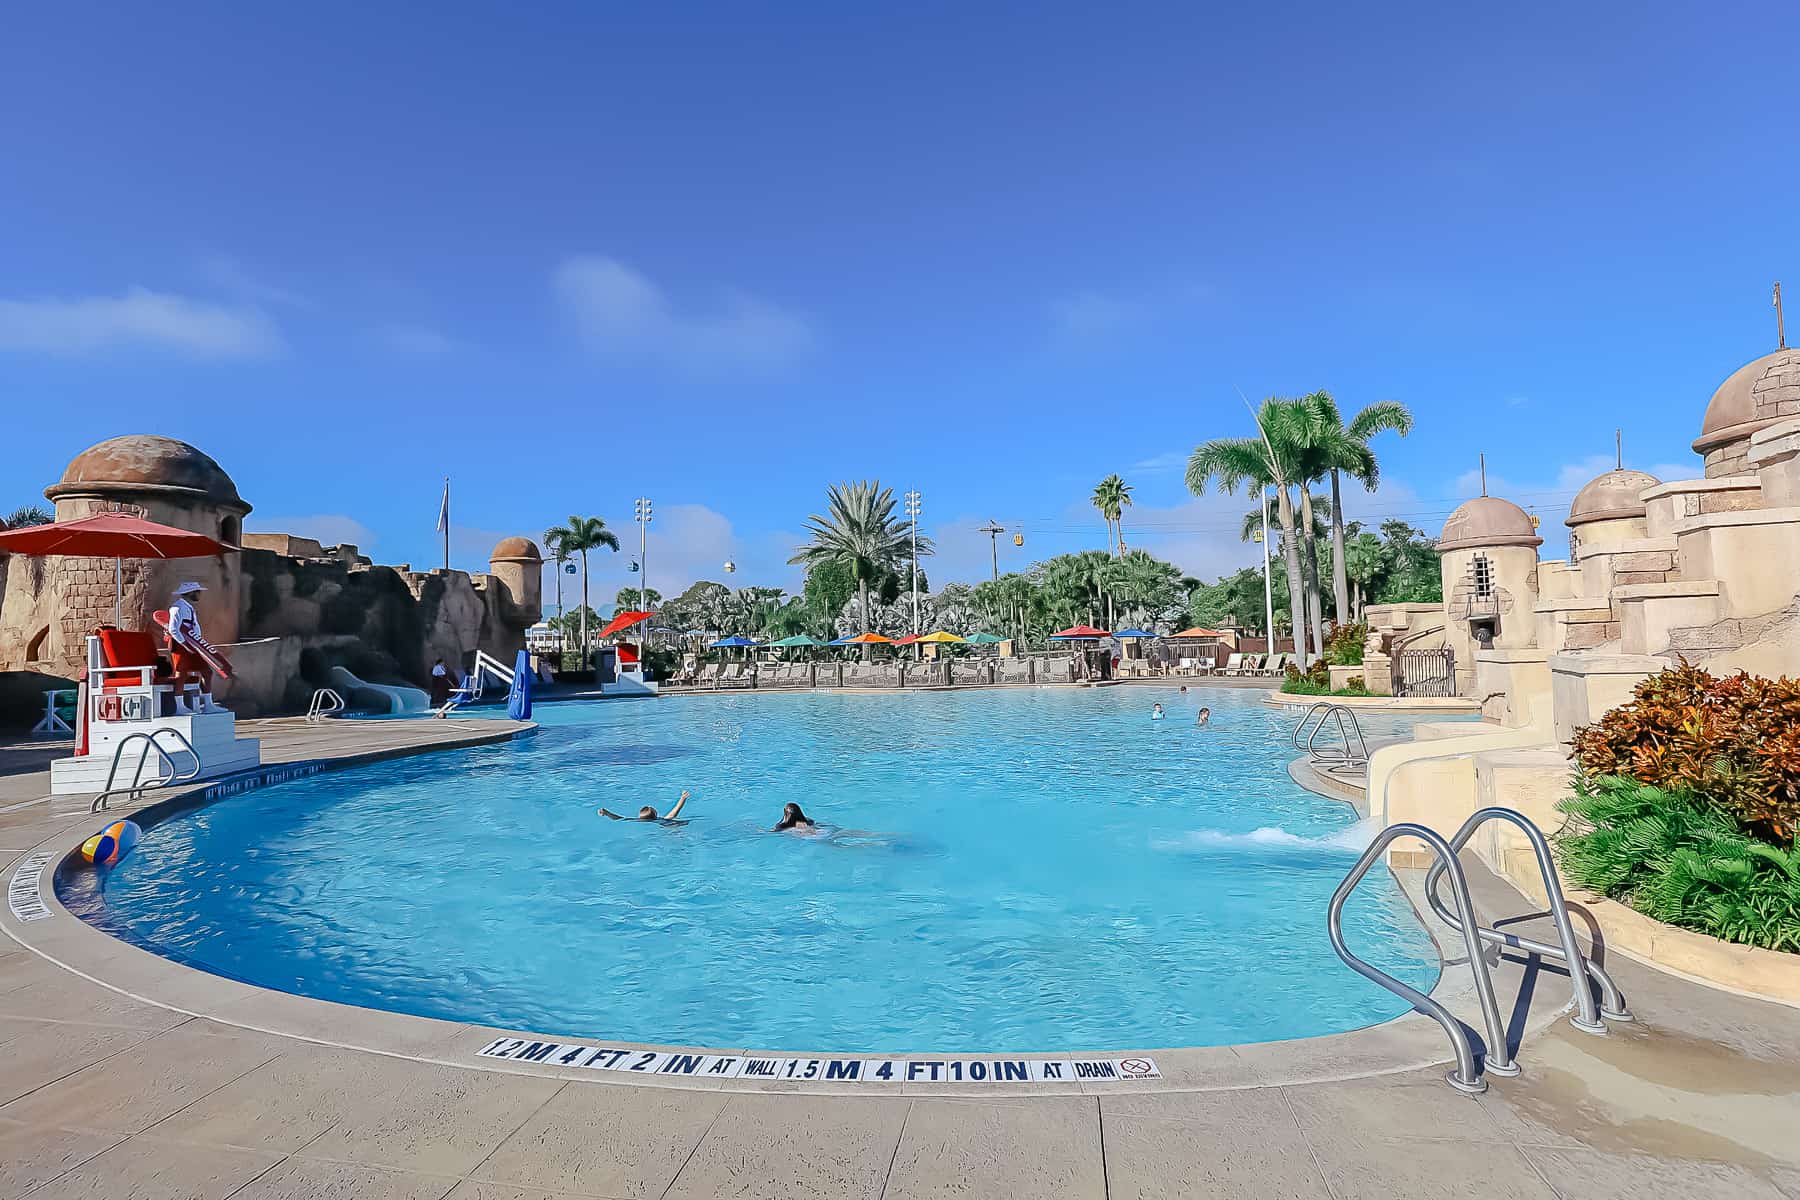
1003,871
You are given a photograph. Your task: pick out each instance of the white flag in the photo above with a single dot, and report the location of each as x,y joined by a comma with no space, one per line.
443,525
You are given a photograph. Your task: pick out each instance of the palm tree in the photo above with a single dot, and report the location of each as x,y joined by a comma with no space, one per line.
1112,497
579,536
1344,449
559,553
859,531
25,515
1271,459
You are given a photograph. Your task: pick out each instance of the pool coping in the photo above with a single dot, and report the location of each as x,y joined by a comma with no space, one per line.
1405,1043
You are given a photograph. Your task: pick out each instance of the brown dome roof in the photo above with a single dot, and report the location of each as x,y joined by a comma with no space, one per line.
144,462
1610,497
516,549
1488,521
1755,396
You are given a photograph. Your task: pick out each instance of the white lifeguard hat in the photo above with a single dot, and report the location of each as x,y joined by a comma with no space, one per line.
189,587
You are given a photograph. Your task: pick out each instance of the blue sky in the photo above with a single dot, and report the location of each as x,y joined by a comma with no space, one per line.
574,254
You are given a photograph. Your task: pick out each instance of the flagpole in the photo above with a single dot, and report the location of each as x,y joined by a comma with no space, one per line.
446,523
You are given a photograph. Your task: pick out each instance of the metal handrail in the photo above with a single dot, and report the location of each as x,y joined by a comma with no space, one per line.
1322,707
1338,756
1467,1075
1343,755
138,784
325,703
1581,967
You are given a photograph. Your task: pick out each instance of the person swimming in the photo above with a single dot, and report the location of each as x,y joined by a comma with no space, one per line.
1184,689
1203,717
647,813
1156,712
794,819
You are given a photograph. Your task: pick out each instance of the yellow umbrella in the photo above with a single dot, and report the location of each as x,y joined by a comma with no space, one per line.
941,637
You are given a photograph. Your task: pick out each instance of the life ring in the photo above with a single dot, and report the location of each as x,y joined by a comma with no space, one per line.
110,845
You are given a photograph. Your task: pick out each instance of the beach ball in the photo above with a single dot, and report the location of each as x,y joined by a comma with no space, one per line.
111,844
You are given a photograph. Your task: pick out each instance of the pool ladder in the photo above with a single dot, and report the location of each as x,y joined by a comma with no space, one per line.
139,785
1585,976
325,703
1352,754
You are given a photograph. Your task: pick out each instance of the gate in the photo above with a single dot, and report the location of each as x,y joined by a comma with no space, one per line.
1425,672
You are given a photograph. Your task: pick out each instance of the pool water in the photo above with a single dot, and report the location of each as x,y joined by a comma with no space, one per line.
1011,870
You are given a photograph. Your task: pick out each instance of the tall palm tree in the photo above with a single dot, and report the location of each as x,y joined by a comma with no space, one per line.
1112,497
1273,458
579,536
859,531
1344,449
559,553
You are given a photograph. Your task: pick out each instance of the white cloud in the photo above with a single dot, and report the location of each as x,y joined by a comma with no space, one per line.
328,529
419,340
1086,316
620,312
227,274
139,317
1160,464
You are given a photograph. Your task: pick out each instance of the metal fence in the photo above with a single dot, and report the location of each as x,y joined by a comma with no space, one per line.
1425,672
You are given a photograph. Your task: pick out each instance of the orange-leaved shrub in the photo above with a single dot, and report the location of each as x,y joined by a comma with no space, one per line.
1732,740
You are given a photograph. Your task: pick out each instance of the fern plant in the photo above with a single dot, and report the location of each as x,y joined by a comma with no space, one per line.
1677,859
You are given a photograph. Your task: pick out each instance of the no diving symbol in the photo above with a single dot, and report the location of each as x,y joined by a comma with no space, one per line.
1137,1068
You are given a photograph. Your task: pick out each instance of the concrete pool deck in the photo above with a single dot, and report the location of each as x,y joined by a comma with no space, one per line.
110,1085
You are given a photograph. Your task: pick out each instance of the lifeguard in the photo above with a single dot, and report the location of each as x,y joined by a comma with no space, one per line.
188,652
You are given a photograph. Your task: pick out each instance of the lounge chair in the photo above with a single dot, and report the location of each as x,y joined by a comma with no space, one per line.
1276,664
1234,665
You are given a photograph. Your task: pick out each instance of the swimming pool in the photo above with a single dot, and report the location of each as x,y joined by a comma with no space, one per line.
1006,871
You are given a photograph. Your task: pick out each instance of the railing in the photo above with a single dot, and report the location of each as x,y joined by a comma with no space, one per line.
1466,1077
139,784
325,703
1352,754
471,689
1581,968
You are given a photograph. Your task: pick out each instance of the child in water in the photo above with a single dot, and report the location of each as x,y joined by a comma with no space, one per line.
793,819
647,813
1203,717
1156,712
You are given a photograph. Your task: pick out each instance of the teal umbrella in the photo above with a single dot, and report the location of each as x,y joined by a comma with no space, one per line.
799,639
985,639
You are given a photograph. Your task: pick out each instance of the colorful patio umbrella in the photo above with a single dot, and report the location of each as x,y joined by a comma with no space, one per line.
732,643
1133,633
799,639
1080,633
940,638
985,639
1196,632
908,640
111,535
624,620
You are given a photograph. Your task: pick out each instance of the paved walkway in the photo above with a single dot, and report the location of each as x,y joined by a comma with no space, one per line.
104,1096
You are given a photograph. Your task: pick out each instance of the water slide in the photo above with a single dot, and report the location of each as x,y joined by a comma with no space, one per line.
399,699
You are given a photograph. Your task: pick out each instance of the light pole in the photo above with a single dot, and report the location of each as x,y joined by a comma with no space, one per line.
993,529
643,520
912,510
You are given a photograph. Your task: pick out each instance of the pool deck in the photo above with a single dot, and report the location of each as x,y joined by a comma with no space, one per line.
131,1076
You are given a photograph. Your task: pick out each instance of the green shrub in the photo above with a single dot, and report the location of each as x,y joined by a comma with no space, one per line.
1734,740
1344,648
1678,859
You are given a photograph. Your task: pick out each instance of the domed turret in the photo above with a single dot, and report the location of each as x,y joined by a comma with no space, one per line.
1613,496
519,567
516,549
143,463
1488,521
1756,396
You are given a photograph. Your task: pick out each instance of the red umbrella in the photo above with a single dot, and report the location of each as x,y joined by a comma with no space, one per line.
111,535
624,620
1081,633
